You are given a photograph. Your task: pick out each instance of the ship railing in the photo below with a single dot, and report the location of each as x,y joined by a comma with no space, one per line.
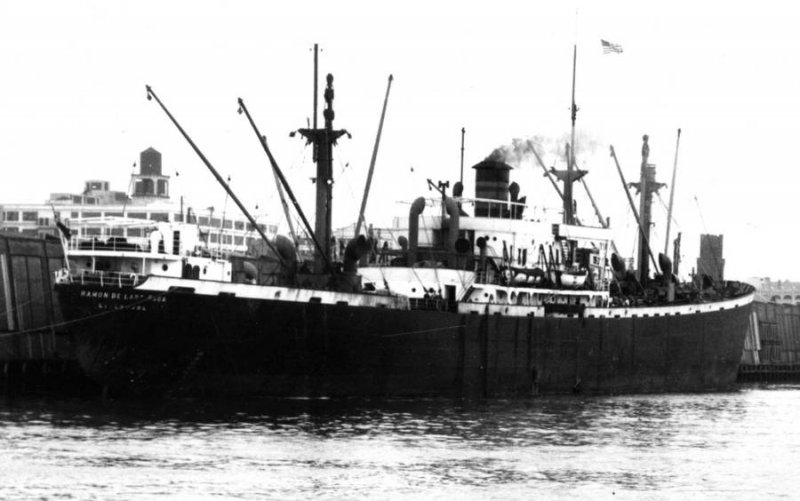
116,244
442,259
106,278
501,209
507,209
433,304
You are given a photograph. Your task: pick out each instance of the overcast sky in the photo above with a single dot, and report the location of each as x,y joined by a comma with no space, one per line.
73,107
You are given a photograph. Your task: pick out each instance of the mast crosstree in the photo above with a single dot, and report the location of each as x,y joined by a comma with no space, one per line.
323,140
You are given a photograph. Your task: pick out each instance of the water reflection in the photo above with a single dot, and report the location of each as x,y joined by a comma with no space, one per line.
356,448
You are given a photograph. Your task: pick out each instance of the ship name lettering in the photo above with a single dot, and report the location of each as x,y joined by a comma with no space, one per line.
122,296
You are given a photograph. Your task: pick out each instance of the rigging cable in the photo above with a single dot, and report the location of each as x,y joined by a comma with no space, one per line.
664,206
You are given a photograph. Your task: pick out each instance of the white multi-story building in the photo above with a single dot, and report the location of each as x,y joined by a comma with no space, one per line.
148,200
781,291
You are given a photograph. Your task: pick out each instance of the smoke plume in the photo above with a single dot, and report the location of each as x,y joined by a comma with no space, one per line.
521,149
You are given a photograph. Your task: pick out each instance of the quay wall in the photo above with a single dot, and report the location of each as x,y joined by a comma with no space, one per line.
35,353
772,347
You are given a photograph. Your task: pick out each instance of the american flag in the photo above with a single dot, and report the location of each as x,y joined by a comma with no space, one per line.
609,47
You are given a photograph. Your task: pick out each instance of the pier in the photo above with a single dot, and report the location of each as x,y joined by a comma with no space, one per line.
772,347
35,354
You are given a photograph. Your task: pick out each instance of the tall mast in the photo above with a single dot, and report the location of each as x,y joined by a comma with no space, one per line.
672,192
323,141
569,216
644,212
647,185
316,80
279,175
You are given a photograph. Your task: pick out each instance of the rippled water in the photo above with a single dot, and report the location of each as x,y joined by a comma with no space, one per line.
741,445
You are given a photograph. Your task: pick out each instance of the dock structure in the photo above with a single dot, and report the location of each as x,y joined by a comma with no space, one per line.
35,354
772,347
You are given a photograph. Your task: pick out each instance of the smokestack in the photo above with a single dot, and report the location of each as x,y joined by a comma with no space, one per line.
491,182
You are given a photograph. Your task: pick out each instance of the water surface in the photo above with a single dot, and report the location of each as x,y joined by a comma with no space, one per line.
740,445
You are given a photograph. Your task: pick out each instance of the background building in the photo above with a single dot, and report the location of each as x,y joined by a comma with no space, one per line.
147,199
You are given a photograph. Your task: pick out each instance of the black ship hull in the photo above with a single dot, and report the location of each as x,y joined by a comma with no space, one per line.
179,342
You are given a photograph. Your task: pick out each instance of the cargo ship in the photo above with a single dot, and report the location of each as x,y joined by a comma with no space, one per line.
485,300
